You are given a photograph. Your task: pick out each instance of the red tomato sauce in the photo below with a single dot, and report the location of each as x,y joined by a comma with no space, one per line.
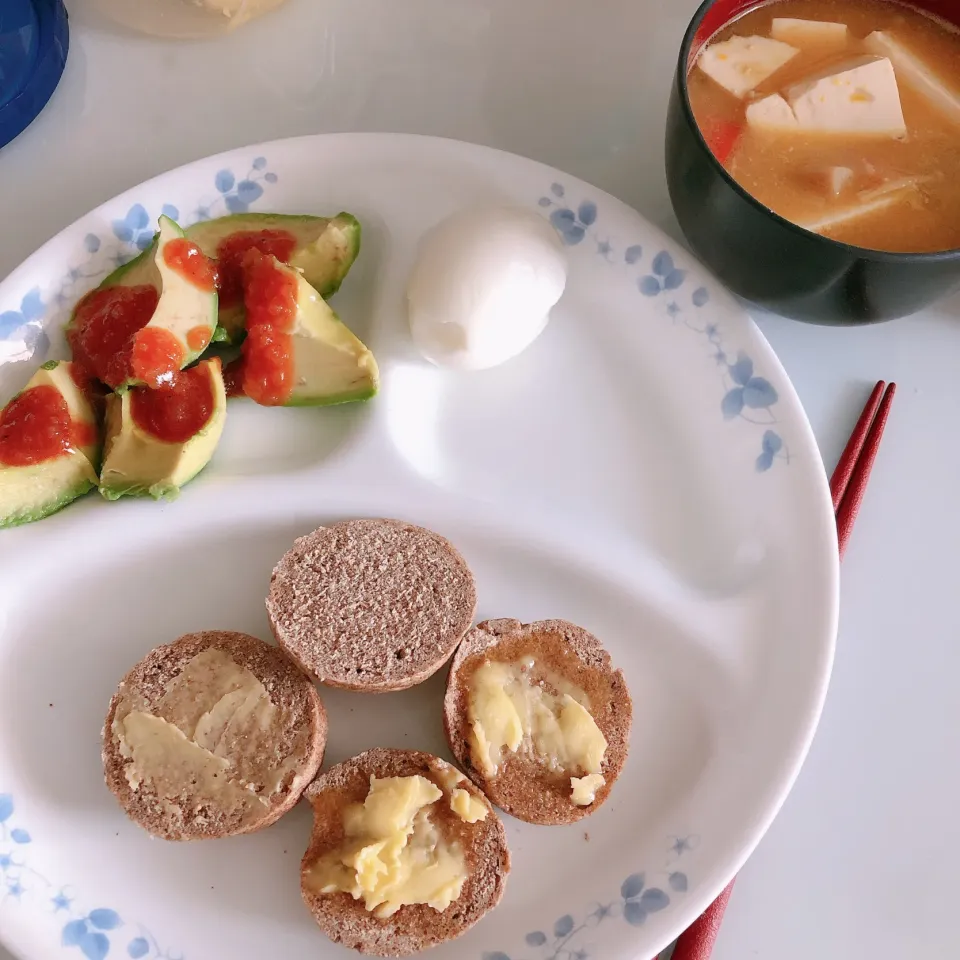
83,434
270,296
198,338
233,378
34,427
82,377
156,357
177,413
230,254
186,258
103,329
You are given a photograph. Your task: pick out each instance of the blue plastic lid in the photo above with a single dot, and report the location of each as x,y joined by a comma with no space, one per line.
34,39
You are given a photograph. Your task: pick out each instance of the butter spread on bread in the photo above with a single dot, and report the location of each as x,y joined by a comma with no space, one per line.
584,789
510,710
213,735
210,734
393,853
435,841
538,717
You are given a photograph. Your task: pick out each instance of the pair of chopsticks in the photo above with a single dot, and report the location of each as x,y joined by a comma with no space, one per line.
847,486
849,480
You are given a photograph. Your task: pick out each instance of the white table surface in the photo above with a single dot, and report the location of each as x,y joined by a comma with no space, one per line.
862,860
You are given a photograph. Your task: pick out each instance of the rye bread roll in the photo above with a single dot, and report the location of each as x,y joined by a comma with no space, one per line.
413,927
562,655
215,734
371,605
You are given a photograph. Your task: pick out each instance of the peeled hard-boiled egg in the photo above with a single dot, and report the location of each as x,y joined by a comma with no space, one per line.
483,286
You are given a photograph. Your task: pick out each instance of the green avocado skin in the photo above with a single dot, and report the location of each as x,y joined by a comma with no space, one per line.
158,491
162,490
114,279
365,393
18,518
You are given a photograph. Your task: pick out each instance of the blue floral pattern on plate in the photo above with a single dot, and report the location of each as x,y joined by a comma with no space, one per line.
569,936
25,329
745,394
94,934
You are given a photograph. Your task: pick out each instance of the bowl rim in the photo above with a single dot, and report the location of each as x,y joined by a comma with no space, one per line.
682,78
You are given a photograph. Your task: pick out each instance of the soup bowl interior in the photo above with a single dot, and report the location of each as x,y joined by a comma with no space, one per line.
747,243
713,16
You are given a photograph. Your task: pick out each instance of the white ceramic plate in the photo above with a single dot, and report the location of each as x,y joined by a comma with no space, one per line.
644,469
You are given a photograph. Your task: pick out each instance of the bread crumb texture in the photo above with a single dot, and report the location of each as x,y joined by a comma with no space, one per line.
371,605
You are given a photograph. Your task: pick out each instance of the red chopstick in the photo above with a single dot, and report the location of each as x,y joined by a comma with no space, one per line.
847,486
849,481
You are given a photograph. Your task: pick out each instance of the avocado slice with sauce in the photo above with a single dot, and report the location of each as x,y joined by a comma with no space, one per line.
186,308
329,364
33,491
142,460
323,248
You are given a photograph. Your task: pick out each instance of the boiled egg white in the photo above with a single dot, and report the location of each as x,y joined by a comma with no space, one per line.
484,285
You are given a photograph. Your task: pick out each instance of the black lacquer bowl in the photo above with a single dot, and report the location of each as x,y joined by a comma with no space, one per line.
763,257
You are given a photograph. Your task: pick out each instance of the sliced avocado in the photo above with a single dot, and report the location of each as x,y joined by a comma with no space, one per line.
184,309
139,463
34,491
330,364
323,248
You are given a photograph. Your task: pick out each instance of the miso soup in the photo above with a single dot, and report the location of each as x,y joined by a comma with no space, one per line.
842,116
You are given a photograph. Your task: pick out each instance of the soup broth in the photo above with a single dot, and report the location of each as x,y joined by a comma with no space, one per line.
882,188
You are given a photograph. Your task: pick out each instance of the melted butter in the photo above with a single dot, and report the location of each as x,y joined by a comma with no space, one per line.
468,807
509,711
393,854
210,736
164,758
584,789
450,777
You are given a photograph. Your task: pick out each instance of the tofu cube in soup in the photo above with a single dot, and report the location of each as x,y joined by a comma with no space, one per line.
823,35
917,74
741,64
860,101
772,114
